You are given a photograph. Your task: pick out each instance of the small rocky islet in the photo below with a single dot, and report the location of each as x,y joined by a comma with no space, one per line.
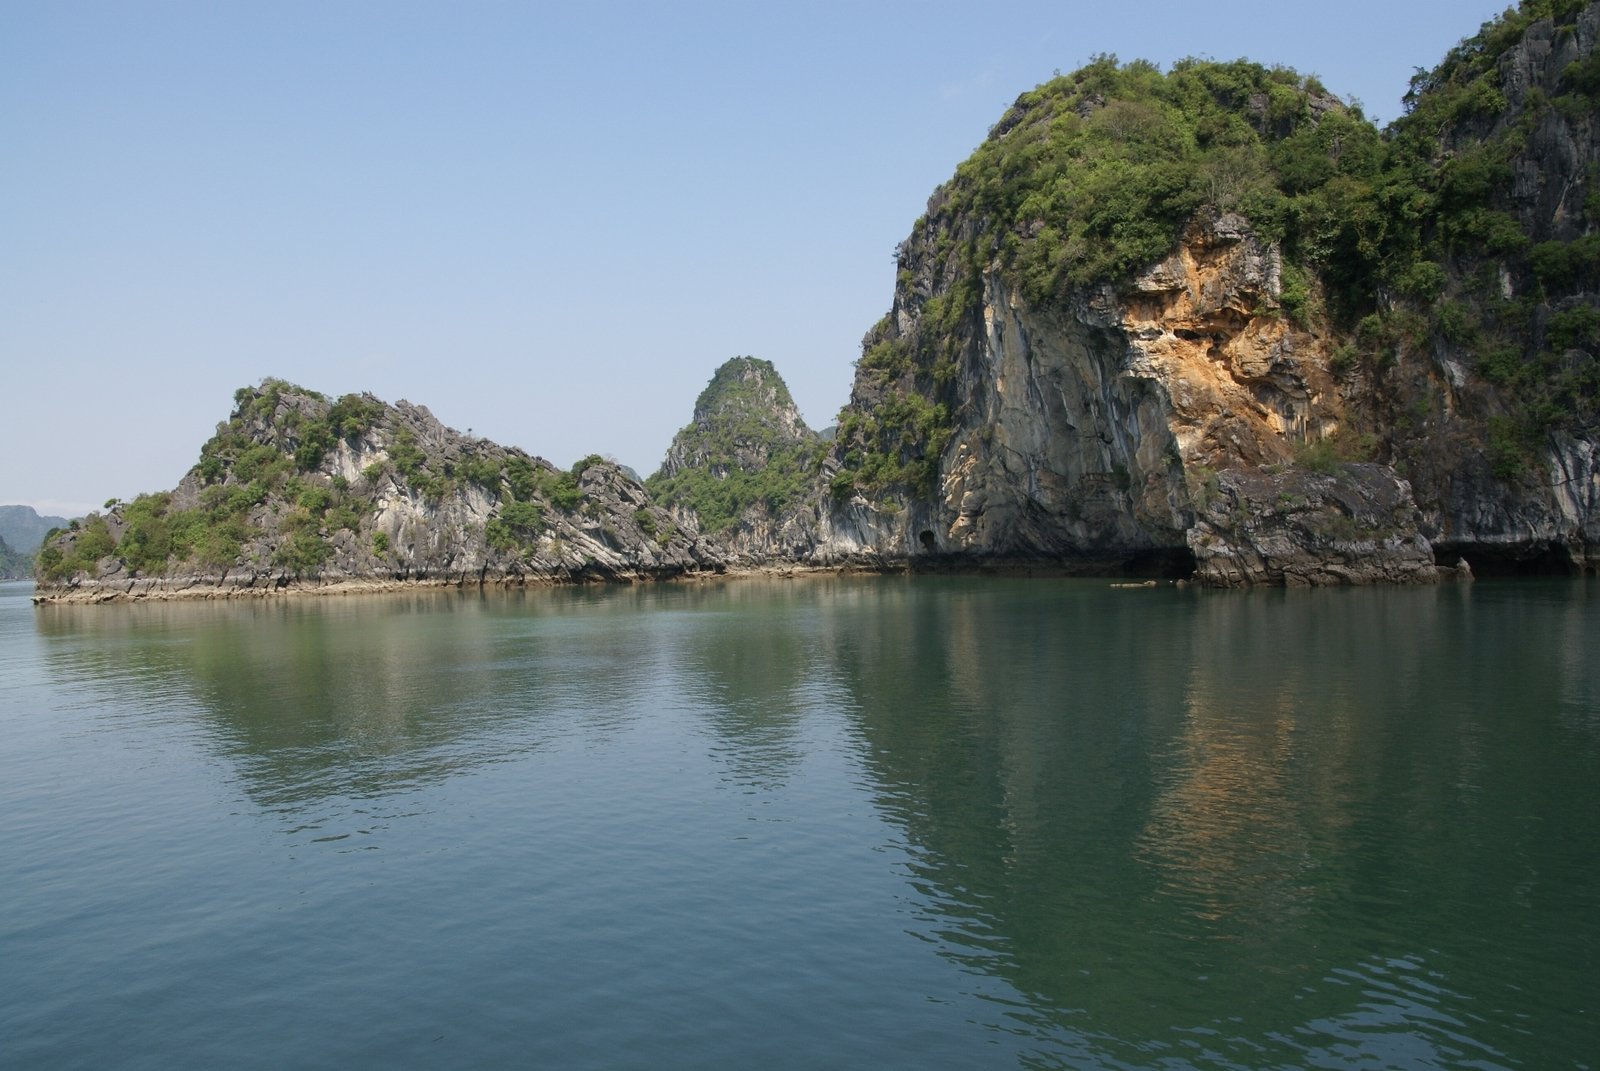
1207,324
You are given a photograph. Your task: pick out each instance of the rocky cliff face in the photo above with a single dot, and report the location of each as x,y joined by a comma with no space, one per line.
295,490
1354,524
1023,401
1490,405
1090,427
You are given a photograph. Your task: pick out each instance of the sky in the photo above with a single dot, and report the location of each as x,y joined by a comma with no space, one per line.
547,223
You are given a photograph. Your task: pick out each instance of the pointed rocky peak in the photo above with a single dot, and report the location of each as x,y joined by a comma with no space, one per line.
743,416
747,452
750,388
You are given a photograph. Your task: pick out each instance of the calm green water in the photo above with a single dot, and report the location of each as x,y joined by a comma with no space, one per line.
880,823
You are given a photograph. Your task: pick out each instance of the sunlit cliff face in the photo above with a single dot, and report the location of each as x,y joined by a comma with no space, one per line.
1244,383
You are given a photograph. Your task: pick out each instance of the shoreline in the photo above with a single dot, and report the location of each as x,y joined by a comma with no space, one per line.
154,589
198,589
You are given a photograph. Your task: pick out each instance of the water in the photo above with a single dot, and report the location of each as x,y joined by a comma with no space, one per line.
825,823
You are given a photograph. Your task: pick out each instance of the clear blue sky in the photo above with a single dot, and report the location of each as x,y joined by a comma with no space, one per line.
549,223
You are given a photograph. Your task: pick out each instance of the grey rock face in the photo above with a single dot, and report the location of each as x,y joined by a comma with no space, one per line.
1084,425
1356,524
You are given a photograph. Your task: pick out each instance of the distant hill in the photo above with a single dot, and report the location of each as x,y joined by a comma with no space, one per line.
23,530
14,565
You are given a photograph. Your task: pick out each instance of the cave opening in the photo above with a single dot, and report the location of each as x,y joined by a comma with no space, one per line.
1549,559
1160,563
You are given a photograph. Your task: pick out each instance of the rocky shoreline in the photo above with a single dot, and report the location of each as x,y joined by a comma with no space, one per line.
166,590
162,589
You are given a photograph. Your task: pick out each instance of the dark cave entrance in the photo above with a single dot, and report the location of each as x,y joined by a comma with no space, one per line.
1548,559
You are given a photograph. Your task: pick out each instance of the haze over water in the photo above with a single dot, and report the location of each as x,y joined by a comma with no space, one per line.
828,823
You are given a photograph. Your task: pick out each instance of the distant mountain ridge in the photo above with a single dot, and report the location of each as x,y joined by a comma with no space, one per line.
14,565
24,529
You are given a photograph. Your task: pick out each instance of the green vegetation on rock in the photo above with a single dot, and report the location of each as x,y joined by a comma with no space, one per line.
896,444
517,526
92,541
1091,176
1513,277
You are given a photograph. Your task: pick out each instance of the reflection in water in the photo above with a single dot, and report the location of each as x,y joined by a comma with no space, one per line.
1150,828
1153,815
746,670
357,698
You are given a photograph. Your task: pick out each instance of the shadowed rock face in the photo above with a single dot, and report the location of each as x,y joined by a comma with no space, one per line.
1439,413
1355,525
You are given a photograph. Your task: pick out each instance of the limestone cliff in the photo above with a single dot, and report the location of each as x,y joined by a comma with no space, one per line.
1481,377
1148,300
299,491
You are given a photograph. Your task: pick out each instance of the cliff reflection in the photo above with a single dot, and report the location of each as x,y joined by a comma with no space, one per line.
1228,811
1011,738
358,697
746,670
